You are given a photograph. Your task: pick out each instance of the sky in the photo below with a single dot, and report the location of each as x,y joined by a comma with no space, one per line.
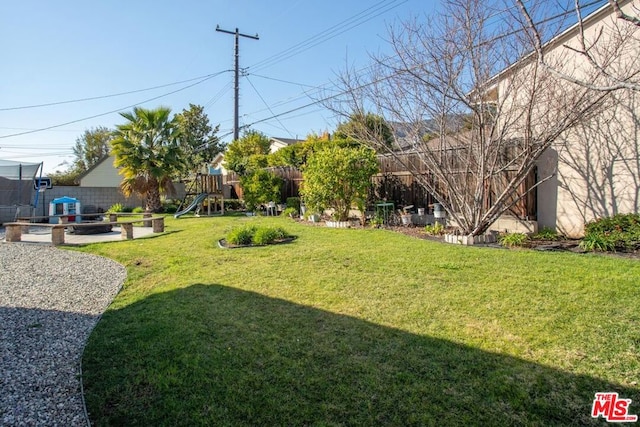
53,52
64,51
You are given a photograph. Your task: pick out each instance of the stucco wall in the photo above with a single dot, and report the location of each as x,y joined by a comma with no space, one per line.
100,197
103,175
592,169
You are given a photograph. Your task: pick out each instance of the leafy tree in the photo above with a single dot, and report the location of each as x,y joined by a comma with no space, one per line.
198,138
248,153
64,178
374,126
291,155
90,147
335,177
148,152
260,186
296,155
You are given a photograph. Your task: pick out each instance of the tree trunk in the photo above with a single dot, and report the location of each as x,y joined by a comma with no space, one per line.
153,199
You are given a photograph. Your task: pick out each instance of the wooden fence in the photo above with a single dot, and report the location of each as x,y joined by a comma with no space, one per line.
395,185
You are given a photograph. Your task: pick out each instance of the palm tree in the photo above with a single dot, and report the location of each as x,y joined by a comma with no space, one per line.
147,152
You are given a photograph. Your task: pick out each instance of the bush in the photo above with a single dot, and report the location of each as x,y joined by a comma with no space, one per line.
293,202
621,222
137,209
598,242
115,208
290,211
436,229
248,234
336,176
619,232
546,233
170,208
233,204
260,187
264,236
281,233
241,235
512,240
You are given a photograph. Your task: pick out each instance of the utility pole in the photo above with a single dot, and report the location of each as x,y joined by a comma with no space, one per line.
236,89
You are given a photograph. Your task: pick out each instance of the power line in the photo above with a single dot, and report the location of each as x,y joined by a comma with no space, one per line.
93,98
283,81
112,111
341,27
215,98
327,86
267,105
57,130
492,40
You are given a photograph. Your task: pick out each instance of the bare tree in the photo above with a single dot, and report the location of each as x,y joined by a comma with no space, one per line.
471,112
608,51
632,19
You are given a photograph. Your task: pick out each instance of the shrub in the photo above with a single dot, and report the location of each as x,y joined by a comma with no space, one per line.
512,240
170,206
598,242
281,233
436,229
377,220
290,211
116,207
241,235
336,176
547,233
621,231
248,234
260,187
293,202
264,236
137,209
619,222
233,204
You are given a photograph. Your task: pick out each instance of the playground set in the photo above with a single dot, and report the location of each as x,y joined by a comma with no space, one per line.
204,195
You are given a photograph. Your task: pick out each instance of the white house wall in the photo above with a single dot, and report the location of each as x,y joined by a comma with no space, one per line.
593,169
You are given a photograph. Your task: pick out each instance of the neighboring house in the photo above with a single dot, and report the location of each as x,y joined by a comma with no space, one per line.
102,174
278,143
593,167
99,189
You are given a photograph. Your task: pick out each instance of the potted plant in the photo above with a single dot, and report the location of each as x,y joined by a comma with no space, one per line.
291,212
405,215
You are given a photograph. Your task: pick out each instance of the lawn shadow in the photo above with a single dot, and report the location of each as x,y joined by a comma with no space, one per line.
214,355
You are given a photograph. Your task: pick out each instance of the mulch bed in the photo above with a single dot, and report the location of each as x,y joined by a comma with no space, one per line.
561,245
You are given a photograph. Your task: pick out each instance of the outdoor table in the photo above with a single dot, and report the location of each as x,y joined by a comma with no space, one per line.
386,208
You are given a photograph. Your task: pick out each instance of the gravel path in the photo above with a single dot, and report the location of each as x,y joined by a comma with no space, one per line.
50,300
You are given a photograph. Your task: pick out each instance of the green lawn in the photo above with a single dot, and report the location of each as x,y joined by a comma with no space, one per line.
358,327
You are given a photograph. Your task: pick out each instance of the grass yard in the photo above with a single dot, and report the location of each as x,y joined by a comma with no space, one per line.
358,327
